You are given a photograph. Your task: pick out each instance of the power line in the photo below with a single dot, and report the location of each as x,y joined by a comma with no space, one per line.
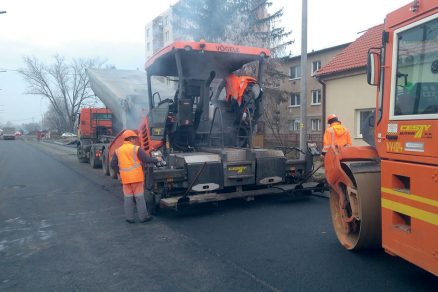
20,120
19,71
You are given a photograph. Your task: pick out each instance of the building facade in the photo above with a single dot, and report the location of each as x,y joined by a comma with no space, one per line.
159,33
162,31
347,92
289,110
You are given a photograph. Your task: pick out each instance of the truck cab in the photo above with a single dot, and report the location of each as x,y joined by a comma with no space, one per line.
95,130
9,133
405,70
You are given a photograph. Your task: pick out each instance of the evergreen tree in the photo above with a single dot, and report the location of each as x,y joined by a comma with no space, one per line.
203,19
248,23
241,22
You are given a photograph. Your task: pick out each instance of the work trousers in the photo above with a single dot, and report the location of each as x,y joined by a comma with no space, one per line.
134,197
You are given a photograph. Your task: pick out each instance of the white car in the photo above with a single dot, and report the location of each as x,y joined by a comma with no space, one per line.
67,134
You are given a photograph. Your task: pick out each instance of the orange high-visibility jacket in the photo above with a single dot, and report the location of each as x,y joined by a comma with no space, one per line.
236,85
336,135
131,170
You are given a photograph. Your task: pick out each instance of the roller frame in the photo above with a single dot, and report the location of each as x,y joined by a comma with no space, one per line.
353,174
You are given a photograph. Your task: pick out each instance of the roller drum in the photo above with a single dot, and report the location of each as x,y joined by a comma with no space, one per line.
360,226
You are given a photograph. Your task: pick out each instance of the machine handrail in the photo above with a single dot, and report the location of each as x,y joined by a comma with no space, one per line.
211,126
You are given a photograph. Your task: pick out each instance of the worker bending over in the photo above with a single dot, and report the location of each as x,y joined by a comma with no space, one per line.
127,163
335,135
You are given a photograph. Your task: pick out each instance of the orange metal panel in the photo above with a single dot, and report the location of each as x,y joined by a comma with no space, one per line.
410,212
334,172
147,144
409,12
209,47
87,126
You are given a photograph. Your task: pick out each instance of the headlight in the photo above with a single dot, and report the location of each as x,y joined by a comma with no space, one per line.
156,154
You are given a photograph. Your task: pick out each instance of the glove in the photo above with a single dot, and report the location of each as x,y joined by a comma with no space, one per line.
160,163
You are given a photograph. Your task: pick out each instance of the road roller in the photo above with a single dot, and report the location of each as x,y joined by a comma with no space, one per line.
386,194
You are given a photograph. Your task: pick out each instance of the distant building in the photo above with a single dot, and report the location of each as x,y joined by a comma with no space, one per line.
161,31
289,110
347,92
158,33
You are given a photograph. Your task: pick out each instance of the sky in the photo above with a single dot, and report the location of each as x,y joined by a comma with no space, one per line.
114,31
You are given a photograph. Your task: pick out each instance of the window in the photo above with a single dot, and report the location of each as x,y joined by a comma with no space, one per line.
315,66
295,72
166,36
361,116
294,125
166,20
102,117
294,100
147,32
416,86
316,124
148,46
316,97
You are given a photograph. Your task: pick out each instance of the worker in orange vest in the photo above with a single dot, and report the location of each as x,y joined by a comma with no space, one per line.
335,135
127,163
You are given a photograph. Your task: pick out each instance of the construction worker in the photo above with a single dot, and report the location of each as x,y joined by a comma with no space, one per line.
335,135
127,163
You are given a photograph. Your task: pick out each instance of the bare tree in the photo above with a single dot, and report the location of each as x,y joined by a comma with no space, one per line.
273,104
65,85
31,127
254,26
52,121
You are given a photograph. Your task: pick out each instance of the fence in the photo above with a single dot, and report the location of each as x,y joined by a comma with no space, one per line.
290,140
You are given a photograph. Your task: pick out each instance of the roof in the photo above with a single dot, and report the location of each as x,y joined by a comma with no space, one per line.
197,57
355,55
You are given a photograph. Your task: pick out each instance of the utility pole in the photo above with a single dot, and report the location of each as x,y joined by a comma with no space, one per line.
303,84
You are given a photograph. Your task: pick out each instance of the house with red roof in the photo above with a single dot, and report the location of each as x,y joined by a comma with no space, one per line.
345,88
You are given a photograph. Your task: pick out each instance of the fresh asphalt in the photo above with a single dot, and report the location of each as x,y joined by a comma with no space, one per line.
62,228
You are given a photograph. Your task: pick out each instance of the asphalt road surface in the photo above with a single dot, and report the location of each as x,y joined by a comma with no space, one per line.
62,228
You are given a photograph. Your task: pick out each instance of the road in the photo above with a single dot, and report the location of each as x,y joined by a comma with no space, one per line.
62,228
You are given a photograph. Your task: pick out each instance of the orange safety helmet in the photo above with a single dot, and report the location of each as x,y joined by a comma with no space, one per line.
129,133
332,118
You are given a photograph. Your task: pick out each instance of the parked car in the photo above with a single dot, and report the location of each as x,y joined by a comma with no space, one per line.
67,134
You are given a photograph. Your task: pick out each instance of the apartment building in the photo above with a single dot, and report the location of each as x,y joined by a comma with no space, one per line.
159,33
290,109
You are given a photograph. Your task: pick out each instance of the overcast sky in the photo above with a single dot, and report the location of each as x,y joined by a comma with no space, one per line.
114,30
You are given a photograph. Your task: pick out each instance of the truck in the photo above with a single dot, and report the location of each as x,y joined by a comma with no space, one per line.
197,109
386,194
9,133
94,131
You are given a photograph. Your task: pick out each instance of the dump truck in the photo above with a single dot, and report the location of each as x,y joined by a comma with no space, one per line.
124,93
198,109
94,131
386,194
